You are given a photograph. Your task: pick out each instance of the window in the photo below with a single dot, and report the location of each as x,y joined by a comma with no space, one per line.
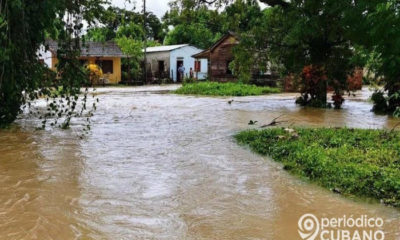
106,65
197,66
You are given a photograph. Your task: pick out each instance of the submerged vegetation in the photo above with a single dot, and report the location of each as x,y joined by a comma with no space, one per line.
224,89
357,162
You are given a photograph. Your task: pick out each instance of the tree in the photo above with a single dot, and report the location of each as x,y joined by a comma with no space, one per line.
303,37
100,34
126,28
114,18
241,16
195,34
325,38
23,27
383,39
196,25
129,39
316,37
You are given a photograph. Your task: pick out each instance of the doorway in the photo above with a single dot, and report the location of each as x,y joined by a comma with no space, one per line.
161,67
179,77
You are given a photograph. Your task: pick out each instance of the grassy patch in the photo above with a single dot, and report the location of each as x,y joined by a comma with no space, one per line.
224,89
351,161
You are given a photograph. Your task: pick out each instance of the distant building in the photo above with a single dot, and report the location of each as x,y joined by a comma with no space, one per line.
164,61
219,57
106,55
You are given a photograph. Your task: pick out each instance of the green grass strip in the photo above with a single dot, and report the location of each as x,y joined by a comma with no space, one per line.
224,89
360,162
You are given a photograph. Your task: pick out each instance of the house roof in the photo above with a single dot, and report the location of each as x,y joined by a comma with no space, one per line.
165,48
203,54
93,49
206,53
221,40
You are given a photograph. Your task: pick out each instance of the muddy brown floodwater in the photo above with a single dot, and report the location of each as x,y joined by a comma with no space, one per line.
162,166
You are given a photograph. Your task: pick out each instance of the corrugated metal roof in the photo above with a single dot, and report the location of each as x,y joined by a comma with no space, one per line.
165,48
93,49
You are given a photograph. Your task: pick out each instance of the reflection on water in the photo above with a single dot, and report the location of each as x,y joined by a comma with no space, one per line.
160,166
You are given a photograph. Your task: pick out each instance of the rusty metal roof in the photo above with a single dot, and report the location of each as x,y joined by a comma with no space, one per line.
93,49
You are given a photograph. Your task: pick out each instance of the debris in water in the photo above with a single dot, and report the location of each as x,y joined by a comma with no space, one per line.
252,122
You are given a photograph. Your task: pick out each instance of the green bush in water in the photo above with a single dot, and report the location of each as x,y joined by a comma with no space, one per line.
224,89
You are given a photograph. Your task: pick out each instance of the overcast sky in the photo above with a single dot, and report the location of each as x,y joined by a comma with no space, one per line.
158,7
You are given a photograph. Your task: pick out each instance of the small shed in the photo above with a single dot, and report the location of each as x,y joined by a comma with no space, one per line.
219,57
164,61
106,55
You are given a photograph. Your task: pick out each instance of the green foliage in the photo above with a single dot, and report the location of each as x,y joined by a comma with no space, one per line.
244,62
195,34
224,89
133,50
188,80
113,18
354,161
100,34
380,102
384,42
130,30
304,33
191,24
127,30
241,16
23,79
194,23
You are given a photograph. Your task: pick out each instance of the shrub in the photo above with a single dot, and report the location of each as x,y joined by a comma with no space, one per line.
380,102
313,86
224,89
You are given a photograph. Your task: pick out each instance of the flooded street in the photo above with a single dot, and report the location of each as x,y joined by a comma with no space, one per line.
162,166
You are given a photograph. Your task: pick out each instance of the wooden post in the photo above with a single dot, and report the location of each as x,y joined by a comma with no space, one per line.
129,72
145,41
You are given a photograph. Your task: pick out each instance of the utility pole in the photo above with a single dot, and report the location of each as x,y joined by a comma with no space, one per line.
145,41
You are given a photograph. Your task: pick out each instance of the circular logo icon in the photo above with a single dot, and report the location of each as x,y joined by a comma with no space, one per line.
308,227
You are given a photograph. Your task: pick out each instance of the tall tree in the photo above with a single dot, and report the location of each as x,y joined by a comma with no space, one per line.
114,18
196,25
23,28
241,16
381,36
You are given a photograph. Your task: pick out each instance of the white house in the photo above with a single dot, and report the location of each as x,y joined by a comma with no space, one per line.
164,61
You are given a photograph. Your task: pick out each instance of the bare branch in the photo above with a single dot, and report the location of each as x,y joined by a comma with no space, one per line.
274,122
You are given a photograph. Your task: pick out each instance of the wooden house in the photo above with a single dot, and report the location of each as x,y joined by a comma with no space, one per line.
106,55
219,57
